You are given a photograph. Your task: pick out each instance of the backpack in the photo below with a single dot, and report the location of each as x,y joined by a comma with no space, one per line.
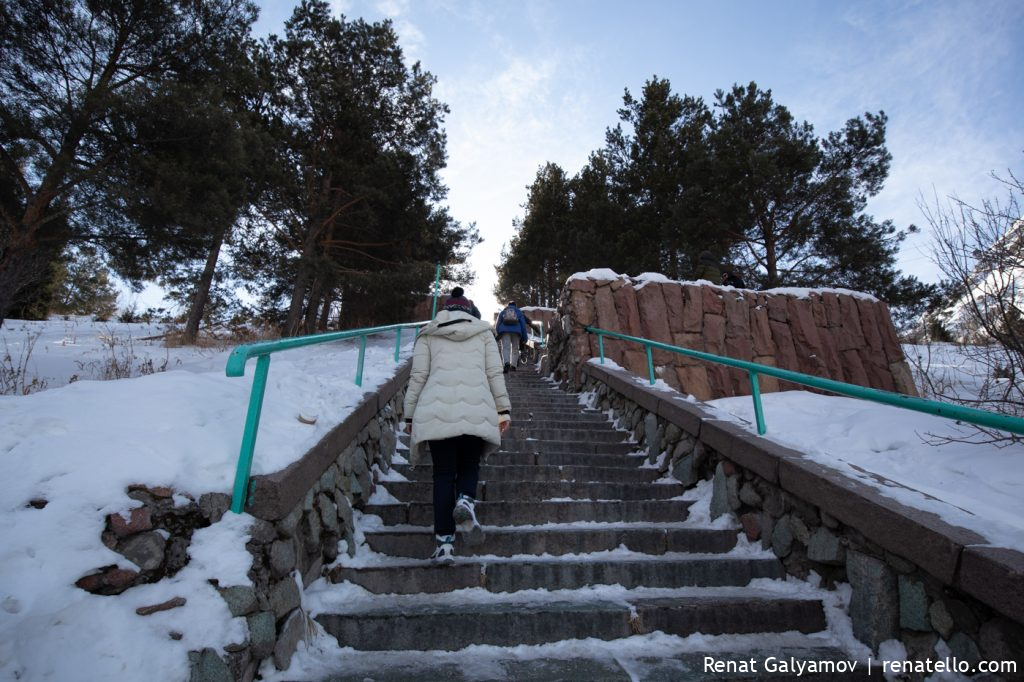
508,316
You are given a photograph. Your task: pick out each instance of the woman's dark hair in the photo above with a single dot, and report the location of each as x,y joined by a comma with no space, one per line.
457,292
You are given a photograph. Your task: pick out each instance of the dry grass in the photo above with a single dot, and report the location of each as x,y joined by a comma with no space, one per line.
222,338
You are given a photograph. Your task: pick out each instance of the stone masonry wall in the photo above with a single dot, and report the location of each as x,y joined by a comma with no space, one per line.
836,334
914,578
302,515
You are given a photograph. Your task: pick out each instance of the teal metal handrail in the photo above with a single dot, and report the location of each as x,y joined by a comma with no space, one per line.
262,351
967,414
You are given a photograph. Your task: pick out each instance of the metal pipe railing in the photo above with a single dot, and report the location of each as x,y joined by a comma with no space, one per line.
262,351
971,415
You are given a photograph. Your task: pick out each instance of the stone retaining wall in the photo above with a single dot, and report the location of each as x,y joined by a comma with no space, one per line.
914,577
836,334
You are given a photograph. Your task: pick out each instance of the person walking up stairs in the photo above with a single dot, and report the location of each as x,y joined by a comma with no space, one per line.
588,570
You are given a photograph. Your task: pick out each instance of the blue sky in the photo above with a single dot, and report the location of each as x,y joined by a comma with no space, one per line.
540,80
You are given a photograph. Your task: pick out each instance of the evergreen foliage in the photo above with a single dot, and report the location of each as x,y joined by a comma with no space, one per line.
743,179
159,136
351,224
74,76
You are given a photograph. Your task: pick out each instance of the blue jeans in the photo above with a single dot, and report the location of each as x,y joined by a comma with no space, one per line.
456,470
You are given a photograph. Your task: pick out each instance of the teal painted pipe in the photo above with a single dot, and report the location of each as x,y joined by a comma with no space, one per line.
957,412
650,364
261,351
437,286
241,354
755,391
359,365
252,425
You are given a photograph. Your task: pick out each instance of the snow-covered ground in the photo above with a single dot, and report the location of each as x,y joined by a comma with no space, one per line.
80,444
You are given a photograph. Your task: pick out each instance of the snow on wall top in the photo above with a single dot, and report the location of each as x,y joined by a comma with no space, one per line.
607,274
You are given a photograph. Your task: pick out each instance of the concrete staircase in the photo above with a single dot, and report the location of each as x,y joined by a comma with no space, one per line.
589,570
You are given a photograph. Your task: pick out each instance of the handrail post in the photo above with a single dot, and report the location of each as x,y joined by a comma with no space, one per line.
437,288
252,425
362,354
755,392
600,346
398,342
650,362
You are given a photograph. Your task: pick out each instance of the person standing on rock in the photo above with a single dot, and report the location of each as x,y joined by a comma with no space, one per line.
458,404
708,268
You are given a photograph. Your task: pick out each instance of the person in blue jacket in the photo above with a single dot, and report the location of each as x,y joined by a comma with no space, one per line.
510,328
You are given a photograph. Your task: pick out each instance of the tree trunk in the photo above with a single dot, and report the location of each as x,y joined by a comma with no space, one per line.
23,268
313,306
202,294
325,311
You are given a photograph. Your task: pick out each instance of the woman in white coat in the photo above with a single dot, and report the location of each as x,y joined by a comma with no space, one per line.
457,402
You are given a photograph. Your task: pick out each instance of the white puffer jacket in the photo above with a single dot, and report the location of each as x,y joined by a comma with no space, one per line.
457,386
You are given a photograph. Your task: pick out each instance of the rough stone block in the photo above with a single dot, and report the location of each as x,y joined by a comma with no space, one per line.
285,596
782,537
328,513
761,332
711,300
940,618
694,380
282,558
826,547
139,519
262,633
874,605
146,550
627,311
693,308
292,632
913,604
719,493
749,496
287,526
241,599
732,492
208,666
964,648
751,526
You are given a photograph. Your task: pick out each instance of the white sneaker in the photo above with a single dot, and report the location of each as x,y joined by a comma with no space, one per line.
465,519
445,552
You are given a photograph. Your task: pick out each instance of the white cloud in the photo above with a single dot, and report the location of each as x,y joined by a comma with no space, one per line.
938,69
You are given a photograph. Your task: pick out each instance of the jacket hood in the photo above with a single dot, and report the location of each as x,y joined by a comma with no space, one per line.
455,325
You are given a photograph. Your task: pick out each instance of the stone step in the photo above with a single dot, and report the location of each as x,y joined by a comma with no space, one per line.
604,662
546,446
566,459
545,401
533,472
497,491
586,417
530,431
556,541
589,426
447,626
670,571
534,513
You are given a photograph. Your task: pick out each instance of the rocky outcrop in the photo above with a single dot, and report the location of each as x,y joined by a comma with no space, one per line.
835,334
